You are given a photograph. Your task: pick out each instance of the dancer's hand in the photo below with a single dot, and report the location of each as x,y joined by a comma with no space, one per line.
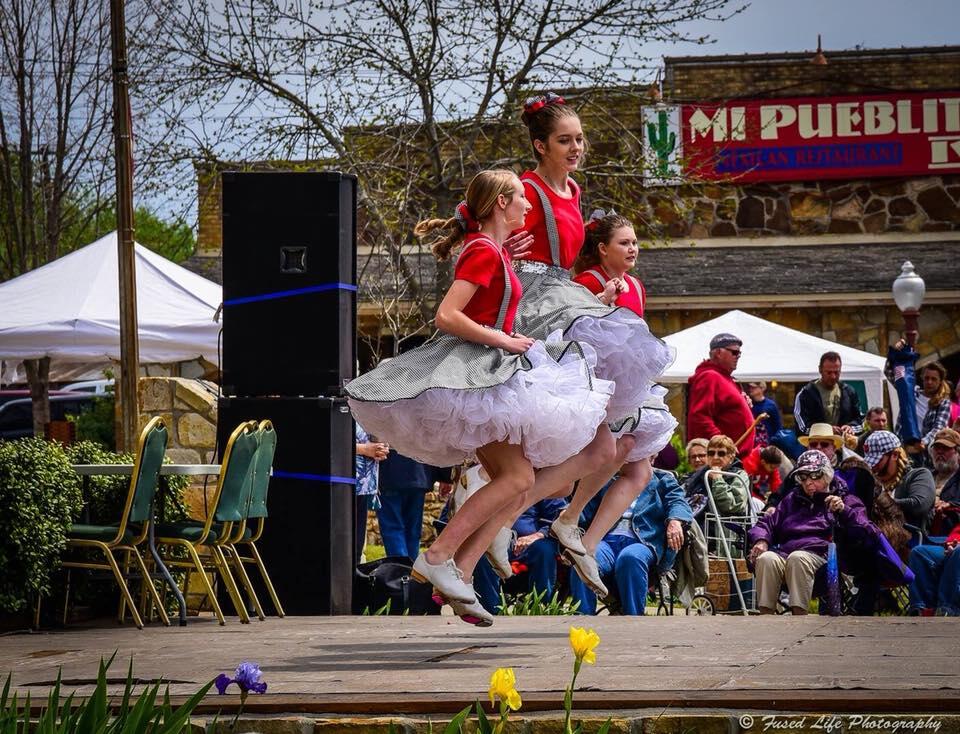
610,291
516,343
518,245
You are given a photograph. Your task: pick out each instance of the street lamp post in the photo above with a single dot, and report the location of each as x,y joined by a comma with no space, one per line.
908,292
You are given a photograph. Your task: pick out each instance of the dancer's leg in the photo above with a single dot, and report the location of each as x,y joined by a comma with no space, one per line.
591,483
555,480
508,466
634,478
512,475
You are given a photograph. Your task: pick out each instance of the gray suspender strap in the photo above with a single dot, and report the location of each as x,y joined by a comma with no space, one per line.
635,284
507,286
600,278
553,236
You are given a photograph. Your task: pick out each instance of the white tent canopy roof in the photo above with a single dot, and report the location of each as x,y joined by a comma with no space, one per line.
69,310
773,352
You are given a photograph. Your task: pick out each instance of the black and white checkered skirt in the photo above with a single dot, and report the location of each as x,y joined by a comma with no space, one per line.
442,401
629,355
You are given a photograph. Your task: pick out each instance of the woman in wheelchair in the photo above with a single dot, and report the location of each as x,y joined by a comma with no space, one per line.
648,535
790,544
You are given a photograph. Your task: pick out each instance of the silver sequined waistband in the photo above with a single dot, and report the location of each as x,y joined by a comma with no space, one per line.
532,266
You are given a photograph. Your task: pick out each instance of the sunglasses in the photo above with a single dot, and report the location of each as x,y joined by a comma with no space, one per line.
734,352
819,444
716,452
803,476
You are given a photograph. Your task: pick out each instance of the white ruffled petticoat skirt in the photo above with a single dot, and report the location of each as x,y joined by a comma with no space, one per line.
628,354
442,401
652,426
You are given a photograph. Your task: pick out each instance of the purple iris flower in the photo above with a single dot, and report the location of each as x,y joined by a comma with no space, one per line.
247,678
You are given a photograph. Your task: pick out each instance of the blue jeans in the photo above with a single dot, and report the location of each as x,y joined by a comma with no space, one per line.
937,579
629,561
401,521
487,585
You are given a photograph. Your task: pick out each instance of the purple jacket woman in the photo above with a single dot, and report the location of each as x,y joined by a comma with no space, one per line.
804,523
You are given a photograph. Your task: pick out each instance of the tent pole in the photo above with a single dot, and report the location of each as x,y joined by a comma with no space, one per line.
129,347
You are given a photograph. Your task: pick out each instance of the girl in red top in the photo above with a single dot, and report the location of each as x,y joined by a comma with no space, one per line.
625,350
479,388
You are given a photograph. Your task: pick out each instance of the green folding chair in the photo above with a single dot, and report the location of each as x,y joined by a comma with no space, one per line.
132,529
213,534
251,530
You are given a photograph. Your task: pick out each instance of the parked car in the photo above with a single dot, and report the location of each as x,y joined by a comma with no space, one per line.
19,394
16,416
97,387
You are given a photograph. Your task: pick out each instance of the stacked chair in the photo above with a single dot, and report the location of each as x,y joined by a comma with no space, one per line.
211,546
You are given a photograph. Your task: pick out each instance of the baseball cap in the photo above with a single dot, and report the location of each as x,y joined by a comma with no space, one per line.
725,340
947,437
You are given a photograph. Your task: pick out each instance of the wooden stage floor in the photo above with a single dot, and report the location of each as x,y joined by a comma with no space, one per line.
405,665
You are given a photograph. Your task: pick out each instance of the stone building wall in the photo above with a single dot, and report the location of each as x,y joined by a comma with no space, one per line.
872,206
189,409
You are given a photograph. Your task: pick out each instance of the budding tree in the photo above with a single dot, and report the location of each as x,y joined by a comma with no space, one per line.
411,95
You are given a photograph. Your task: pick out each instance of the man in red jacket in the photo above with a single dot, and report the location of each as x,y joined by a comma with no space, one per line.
716,403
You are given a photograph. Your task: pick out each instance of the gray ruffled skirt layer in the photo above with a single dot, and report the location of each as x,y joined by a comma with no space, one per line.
442,401
627,353
652,426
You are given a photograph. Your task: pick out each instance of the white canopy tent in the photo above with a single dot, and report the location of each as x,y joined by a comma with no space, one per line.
775,352
69,310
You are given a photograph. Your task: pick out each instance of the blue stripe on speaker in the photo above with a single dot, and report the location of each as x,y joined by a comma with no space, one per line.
288,294
329,479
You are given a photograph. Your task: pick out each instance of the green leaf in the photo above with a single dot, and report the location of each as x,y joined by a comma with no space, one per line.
605,727
483,724
456,723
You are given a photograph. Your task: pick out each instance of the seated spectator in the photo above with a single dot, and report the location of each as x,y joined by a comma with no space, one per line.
946,457
789,545
648,535
936,585
846,464
696,456
912,488
761,403
875,420
763,468
731,494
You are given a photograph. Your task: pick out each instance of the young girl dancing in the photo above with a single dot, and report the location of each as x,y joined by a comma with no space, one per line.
609,253
479,388
627,353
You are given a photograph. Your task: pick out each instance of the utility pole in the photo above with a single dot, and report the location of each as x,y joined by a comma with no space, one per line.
123,143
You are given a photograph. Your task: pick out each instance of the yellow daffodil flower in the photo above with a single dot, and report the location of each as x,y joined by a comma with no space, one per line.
582,642
503,686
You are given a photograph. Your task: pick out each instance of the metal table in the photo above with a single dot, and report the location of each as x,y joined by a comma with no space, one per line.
166,470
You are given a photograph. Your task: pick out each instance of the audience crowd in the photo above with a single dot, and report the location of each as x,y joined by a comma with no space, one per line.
838,505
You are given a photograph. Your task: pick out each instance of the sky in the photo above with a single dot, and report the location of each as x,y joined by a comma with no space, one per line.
792,25
773,26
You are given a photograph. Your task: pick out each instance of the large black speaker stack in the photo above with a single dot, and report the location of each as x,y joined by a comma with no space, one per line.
289,336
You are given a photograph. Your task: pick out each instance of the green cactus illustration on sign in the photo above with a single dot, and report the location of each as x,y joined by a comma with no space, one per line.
662,142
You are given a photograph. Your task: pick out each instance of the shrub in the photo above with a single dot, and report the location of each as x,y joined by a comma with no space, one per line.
97,424
39,495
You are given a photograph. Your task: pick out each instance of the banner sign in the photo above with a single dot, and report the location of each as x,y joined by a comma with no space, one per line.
857,136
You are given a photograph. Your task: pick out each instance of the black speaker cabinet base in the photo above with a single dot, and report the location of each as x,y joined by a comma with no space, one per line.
308,542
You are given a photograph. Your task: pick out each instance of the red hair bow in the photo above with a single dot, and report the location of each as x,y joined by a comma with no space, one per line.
467,221
534,104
